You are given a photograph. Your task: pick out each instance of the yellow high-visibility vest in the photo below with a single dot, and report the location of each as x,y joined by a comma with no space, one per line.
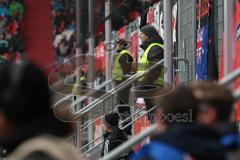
144,62
117,72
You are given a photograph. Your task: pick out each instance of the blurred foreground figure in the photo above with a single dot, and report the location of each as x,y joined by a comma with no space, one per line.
29,129
183,139
216,105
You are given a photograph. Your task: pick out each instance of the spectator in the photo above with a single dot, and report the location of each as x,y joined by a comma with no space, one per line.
28,126
3,10
152,44
58,18
3,23
16,9
13,26
3,43
126,7
57,5
113,136
10,31
183,138
16,42
121,70
63,51
216,106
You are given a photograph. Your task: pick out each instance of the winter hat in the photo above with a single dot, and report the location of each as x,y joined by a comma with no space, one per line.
123,43
24,93
149,31
111,120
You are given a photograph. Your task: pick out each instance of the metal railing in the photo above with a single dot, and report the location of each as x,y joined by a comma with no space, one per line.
125,84
230,77
154,129
175,59
140,137
127,119
121,86
137,118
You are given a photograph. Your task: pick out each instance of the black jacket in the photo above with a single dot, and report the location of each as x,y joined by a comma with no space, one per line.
113,140
46,126
155,55
200,142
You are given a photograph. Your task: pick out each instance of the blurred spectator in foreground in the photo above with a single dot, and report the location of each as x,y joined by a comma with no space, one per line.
183,138
29,129
216,106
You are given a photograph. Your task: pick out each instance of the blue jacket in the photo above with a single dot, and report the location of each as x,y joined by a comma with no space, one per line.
182,141
159,151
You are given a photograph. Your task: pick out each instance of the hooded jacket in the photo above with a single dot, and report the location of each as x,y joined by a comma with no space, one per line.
185,141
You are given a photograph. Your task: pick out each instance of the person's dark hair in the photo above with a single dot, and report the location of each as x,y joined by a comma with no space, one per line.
181,100
111,120
24,93
216,96
123,44
149,31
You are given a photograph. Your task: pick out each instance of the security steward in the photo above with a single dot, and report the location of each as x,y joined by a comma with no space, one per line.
122,68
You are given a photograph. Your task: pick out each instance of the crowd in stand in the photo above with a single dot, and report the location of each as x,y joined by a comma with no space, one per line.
11,40
64,22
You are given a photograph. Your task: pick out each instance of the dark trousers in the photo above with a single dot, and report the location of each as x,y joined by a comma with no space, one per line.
124,108
149,105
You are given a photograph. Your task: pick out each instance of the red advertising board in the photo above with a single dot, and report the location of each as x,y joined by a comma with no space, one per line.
237,35
134,45
141,124
122,33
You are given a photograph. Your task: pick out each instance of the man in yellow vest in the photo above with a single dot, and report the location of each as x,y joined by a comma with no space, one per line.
122,68
152,44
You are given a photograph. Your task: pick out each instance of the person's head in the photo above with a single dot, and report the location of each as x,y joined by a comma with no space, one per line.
147,32
178,106
122,44
24,98
216,102
110,121
1,36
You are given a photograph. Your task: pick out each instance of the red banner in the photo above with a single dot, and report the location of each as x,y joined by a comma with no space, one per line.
237,64
134,45
122,33
142,123
100,62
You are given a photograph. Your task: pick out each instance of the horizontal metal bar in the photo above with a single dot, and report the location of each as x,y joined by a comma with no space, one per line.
122,128
92,148
89,144
230,77
104,84
121,86
132,116
119,124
